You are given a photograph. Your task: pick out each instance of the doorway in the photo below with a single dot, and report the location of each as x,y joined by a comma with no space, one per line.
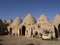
10,32
20,31
59,29
56,32
23,30
31,31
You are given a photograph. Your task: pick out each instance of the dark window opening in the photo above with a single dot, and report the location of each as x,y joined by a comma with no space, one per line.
46,31
38,26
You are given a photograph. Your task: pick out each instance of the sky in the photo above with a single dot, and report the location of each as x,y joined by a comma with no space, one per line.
10,9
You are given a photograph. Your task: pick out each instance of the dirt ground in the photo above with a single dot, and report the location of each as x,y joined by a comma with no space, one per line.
14,40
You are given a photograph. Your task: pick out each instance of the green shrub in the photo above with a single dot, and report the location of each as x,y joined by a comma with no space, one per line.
54,39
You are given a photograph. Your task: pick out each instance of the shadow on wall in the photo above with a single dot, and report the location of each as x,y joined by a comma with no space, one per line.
59,29
56,32
3,31
6,31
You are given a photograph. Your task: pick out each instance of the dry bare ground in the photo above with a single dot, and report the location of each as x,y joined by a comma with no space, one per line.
14,40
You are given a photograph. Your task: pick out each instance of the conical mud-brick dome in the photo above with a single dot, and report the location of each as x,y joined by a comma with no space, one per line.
43,19
2,28
45,23
56,21
4,21
1,23
17,22
29,19
10,21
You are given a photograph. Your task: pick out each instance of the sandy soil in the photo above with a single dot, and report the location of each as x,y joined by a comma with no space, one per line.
14,40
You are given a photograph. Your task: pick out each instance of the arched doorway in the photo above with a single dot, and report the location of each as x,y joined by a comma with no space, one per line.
31,32
23,30
56,32
20,31
59,29
10,32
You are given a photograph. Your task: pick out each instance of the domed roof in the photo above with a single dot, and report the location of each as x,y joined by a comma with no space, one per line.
4,21
43,18
1,23
29,19
57,16
17,22
10,21
56,19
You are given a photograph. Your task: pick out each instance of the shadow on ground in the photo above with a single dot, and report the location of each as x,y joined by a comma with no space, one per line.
30,44
1,44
